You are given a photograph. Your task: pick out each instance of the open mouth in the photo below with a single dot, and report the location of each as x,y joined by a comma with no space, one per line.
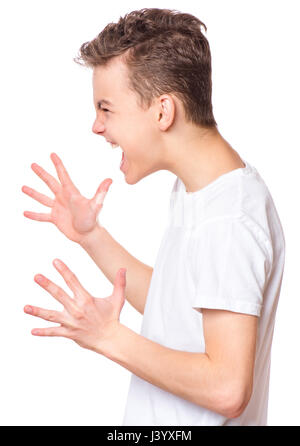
114,146
122,160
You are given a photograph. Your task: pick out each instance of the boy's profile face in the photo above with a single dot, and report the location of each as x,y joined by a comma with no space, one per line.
124,122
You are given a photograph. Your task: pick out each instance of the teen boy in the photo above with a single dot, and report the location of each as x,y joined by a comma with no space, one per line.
209,304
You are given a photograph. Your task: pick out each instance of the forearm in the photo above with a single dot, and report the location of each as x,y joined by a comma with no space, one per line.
191,376
110,256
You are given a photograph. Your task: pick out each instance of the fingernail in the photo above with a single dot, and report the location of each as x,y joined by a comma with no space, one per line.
28,309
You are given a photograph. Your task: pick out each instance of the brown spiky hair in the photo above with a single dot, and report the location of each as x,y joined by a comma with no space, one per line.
165,52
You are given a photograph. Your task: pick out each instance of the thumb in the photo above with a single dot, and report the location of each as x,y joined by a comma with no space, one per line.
118,295
98,198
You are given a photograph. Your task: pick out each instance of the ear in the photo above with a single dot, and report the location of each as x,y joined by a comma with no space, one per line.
166,111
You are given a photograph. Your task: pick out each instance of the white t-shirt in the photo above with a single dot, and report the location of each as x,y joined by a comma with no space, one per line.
223,248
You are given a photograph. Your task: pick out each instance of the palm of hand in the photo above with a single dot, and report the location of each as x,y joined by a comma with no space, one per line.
73,214
87,320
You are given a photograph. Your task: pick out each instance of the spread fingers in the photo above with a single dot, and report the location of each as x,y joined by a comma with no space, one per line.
57,292
70,279
41,198
37,216
51,182
47,315
61,171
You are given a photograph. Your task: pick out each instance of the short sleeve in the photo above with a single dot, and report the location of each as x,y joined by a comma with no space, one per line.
231,265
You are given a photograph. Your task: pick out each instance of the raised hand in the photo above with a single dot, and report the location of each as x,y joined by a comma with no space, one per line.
73,214
87,320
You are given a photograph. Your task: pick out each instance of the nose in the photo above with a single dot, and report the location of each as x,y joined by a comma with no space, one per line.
98,127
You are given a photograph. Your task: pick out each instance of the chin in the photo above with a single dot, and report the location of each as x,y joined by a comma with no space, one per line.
130,178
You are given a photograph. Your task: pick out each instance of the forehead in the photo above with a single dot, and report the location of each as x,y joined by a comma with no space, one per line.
110,79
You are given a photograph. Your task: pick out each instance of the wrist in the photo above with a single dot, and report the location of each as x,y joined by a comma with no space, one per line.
89,240
108,345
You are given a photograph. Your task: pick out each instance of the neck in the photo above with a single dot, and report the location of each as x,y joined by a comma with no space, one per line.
199,156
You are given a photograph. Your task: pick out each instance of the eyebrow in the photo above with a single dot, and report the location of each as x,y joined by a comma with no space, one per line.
104,101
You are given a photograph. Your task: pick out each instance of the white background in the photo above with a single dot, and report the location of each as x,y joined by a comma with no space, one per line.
46,106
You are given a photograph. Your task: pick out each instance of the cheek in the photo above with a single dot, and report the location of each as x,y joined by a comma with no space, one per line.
145,133
136,138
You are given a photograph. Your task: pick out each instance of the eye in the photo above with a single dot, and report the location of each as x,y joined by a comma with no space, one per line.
103,109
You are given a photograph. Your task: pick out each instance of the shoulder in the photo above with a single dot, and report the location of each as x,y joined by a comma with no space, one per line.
235,238
240,194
